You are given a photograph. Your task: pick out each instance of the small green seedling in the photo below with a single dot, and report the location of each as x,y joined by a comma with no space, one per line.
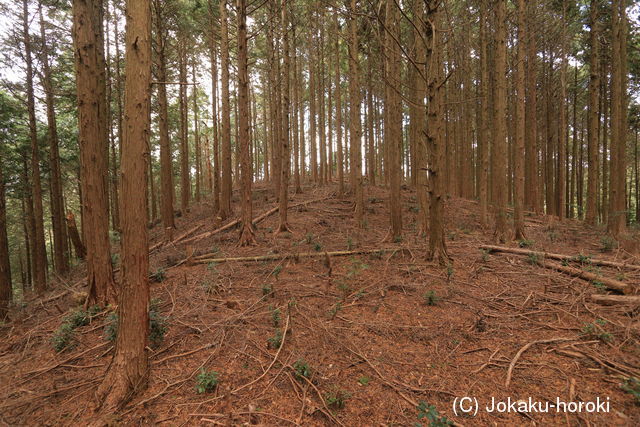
158,276
63,339
276,340
430,413
608,243
632,386
430,298
267,288
317,247
302,369
337,398
206,381
275,316
335,309
276,271
450,272
533,259
526,243
364,380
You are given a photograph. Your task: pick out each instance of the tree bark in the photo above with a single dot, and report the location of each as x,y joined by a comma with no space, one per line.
354,115
435,133
247,232
519,158
128,372
6,289
39,254
499,169
60,248
185,172
393,118
91,89
225,125
286,110
166,164
617,212
483,136
593,122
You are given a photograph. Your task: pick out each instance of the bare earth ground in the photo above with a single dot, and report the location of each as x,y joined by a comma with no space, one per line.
361,323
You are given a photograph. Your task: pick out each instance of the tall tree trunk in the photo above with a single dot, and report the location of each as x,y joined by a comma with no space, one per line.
518,217
286,103
5,267
296,108
561,205
91,88
166,164
225,125
435,132
60,248
246,233
214,112
128,372
532,191
617,214
40,253
393,118
338,97
499,169
354,115
113,156
196,133
483,136
593,122
185,172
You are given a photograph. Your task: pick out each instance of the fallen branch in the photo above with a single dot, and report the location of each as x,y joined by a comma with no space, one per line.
616,299
177,239
525,348
561,257
256,221
202,259
591,277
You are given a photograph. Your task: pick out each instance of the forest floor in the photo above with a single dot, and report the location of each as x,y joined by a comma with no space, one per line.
363,338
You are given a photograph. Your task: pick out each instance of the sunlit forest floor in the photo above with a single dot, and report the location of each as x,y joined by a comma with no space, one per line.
355,340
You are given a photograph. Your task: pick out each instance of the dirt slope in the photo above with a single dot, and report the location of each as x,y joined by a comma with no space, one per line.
372,346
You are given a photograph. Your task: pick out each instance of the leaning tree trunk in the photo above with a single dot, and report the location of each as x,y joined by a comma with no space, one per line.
91,89
128,372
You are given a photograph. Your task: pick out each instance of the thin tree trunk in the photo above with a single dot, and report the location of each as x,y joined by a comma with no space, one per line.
39,253
499,170
483,137
354,116
393,118
532,190
60,248
518,217
247,232
5,267
185,173
166,164
225,125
